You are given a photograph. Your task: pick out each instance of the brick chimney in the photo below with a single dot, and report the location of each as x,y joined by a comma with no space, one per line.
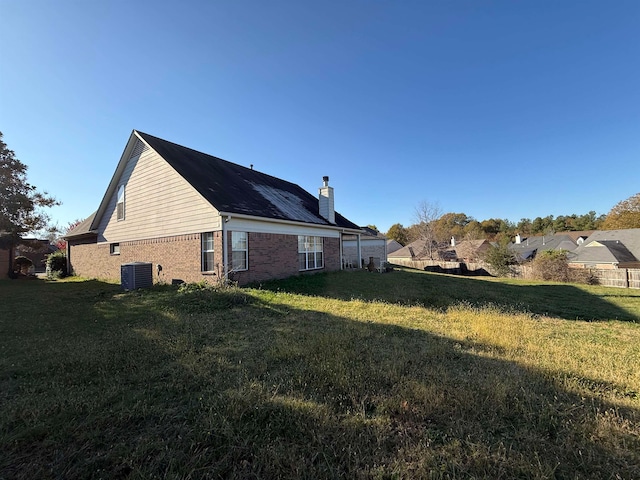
327,209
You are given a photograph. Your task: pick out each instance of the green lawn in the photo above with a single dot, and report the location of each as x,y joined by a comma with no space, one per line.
346,375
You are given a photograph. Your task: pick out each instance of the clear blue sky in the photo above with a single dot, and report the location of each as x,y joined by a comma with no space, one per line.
504,109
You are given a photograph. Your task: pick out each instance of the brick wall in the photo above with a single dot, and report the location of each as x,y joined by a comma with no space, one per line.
179,258
270,256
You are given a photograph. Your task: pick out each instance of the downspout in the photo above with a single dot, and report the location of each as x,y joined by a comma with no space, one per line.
386,260
68,252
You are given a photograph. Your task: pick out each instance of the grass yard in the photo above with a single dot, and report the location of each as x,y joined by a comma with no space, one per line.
345,375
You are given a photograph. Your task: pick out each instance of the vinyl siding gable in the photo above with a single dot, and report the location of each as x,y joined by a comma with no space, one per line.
158,202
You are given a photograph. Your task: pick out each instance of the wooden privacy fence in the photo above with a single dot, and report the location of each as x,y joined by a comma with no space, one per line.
459,268
620,277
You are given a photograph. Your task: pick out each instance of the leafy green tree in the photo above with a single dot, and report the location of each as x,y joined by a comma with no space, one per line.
524,226
542,225
450,225
494,226
589,221
21,205
398,233
473,231
625,214
500,258
561,224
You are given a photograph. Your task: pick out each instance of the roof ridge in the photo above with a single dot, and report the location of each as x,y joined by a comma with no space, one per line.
199,152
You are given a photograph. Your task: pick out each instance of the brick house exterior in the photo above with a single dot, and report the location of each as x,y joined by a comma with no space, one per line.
197,217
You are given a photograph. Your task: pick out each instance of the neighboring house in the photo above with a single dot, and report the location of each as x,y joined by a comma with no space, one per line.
195,216
37,251
456,257
607,249
373,245
470,250
392,246
414,251
579,236
526,248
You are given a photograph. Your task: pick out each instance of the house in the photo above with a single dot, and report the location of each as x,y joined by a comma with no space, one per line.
414,251
373,246
463,251
197,217
393,245
526,248
608,249
470,250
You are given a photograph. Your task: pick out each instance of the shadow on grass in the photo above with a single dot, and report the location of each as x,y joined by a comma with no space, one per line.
263,390
407,287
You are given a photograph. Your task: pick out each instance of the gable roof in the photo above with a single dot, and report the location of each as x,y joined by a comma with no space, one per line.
558,241
471,249
416,249
228,187
393,245
609,246
83,229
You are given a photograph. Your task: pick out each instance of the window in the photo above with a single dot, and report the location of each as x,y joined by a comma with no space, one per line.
114,249
207,252
120,203
239,251
310,252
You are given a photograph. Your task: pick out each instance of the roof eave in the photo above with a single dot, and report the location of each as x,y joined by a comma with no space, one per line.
291,222
113,183
89,234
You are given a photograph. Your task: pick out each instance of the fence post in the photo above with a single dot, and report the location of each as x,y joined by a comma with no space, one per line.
626,278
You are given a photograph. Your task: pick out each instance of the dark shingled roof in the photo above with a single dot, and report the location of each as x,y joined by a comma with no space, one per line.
83,228
232,188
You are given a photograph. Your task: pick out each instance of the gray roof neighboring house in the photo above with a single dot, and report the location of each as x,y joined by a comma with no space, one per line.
615,247
527,247
393,245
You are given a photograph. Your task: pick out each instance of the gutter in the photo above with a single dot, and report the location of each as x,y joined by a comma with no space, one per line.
292,222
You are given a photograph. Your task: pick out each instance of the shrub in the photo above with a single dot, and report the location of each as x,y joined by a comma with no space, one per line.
551,265
22,264
57,265
500,258
203,297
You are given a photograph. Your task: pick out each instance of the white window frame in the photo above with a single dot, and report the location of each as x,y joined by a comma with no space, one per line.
235,238
120,203
310,252
207,246
114,248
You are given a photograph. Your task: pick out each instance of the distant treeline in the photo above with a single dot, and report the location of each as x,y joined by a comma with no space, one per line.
462,226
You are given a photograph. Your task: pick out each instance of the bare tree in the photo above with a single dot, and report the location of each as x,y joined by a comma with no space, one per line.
426,213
